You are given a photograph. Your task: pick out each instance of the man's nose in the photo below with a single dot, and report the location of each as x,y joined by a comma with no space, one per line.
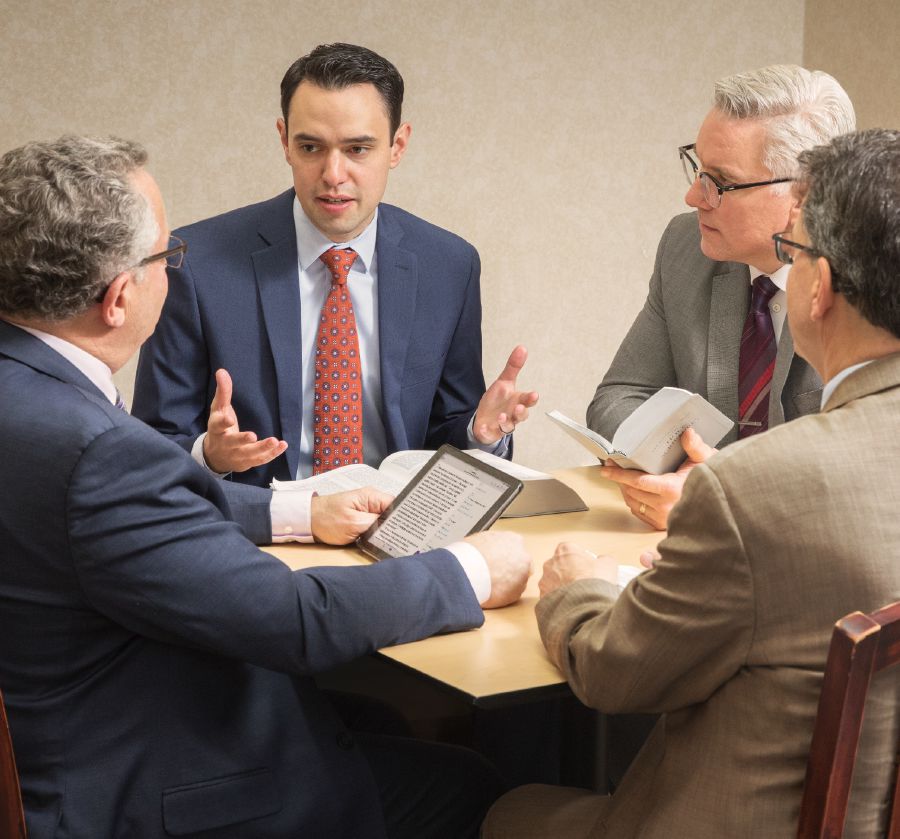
335,169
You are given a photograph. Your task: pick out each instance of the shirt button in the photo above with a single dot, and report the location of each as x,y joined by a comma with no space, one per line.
345,740
776,307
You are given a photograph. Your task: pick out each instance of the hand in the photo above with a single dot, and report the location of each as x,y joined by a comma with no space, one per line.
650,557
508,563
226,448
338,519
503,407
652,497
571,562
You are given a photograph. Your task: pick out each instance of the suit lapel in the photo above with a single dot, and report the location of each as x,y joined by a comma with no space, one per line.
779,375
398,281
729,304
278,282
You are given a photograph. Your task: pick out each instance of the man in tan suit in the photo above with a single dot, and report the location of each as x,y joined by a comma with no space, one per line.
774,539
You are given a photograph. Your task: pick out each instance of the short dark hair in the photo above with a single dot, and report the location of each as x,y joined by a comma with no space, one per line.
851,212
70,221
336,66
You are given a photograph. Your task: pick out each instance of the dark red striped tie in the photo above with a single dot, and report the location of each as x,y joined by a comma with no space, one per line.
757,360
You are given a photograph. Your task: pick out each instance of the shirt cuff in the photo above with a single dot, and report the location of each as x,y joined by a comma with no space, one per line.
625,574
498,448
292,516
197,454
475,567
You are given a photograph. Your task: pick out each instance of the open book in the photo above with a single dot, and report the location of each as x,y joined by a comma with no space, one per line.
541,493
648,439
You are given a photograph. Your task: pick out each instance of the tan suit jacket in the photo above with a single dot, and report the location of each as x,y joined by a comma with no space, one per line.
775,539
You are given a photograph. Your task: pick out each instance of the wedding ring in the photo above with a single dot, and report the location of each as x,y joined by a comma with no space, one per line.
504,431
642,509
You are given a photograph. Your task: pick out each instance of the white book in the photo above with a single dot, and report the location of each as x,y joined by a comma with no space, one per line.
649,439
542,493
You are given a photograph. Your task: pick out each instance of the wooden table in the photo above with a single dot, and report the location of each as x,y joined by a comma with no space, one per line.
504,661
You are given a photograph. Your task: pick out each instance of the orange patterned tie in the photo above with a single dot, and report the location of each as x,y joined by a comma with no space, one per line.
337,413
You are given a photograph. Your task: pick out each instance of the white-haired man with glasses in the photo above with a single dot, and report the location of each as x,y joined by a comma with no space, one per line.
776,538
714,319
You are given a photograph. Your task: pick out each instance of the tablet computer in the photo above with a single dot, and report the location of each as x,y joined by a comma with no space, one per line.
451,496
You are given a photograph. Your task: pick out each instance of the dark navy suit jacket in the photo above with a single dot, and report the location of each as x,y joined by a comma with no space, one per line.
155,664
235,303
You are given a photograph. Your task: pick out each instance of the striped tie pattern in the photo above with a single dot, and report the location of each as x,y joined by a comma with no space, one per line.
757,361
337,412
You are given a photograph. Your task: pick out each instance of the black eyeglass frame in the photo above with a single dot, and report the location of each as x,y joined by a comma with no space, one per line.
786,258
721,189
179,250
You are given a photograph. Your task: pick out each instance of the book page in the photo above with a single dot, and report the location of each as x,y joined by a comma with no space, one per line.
523,473
343,478
649,415
403,465
597,445
661,450
442,508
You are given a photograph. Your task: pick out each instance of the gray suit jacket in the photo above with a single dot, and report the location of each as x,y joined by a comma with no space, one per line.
689,335
774,539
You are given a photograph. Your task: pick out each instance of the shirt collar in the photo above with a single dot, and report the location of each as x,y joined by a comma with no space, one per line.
312,243
92,367
834,381
778,277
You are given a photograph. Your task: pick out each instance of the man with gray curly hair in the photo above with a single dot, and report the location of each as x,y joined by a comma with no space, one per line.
776,538
169,688
713,322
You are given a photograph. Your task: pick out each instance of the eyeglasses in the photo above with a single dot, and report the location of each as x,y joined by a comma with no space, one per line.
786,250
173,256
712,189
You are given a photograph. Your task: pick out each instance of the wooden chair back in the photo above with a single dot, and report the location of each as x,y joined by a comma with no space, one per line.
12,816
861,645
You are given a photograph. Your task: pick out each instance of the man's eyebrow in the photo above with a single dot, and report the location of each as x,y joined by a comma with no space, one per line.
301,137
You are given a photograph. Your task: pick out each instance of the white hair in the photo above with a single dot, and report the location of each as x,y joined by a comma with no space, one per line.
801,108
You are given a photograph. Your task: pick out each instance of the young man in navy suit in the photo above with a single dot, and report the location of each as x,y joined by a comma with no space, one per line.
245,306
169,690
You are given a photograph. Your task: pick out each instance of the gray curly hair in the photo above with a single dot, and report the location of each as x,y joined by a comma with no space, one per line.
70,221
802,108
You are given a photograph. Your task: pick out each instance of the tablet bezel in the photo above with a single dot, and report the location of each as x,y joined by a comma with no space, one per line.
513,488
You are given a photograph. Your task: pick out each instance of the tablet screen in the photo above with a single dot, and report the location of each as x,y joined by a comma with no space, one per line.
452,496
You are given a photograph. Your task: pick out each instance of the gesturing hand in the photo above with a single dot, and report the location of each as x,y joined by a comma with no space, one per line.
227,448
503,407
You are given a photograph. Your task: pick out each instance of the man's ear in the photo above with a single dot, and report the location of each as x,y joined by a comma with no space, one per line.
823,293
401,141
114,304
793,213
282,133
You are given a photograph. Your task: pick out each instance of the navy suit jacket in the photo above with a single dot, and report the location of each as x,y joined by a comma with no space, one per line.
157,666
235,303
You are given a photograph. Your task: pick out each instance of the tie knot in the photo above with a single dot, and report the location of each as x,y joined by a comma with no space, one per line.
763,291
338,262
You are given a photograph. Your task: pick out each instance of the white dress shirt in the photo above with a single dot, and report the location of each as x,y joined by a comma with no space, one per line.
778,301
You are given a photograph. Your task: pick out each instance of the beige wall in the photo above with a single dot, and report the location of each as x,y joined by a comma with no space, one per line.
543,132
867,61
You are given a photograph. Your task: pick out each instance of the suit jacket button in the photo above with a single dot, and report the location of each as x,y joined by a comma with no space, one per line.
345,740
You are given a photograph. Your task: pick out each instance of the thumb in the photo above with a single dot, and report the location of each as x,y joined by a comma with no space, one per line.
514,364
695,448
222,398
